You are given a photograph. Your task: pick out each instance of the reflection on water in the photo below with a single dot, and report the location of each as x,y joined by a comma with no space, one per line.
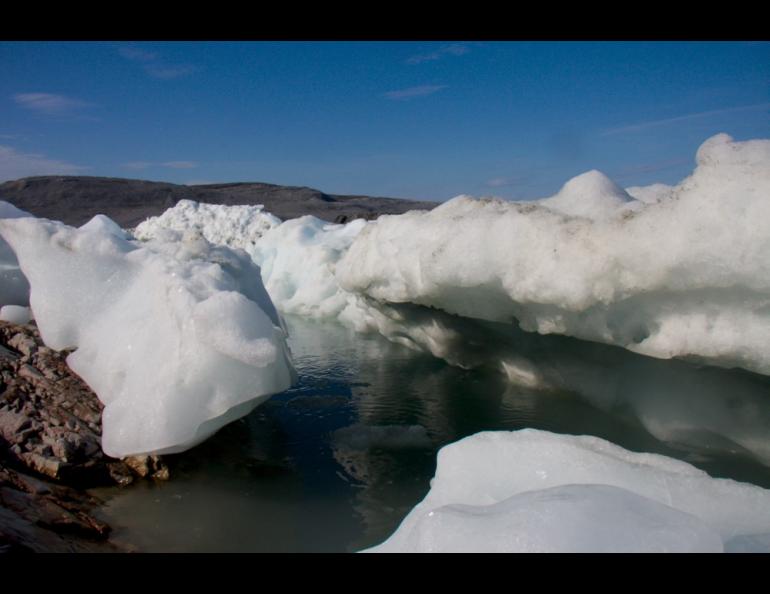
335,463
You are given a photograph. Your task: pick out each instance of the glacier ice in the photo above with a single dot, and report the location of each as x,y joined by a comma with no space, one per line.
234,226
679,272
177,337
664,271
297,258
591,195
14,287
535,491
15,314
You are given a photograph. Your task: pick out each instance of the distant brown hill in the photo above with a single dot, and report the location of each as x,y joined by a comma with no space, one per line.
75,199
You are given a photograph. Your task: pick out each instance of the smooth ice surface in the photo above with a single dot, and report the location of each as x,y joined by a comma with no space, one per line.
566,519
176,337
680,271
532,490
14,288
16,314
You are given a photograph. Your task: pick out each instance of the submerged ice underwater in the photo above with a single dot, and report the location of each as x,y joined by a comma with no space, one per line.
646,310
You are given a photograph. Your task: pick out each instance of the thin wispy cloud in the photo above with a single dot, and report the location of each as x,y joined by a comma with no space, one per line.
180,164
50,104
167,72
154,65
136,54
683,118
644,168
140,165
137,165
412,92
455,49
14,165
503,182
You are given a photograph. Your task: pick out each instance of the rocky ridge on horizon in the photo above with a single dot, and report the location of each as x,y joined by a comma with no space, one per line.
75,199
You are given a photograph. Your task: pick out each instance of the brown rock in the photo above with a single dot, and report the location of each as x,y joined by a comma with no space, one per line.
41,463
23,343
140,465
11,424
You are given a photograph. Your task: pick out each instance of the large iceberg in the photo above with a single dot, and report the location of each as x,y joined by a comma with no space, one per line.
535,491
665,271
177,337
682,271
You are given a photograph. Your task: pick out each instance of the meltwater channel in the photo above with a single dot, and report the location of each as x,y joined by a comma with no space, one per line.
335,463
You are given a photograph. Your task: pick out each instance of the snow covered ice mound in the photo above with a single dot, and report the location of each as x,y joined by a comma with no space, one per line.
535,491
297,257
177,337
682,271
234,226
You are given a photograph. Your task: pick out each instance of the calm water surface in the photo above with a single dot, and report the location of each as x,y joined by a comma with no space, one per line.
335,463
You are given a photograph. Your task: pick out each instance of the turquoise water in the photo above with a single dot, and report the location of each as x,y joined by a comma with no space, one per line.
335,463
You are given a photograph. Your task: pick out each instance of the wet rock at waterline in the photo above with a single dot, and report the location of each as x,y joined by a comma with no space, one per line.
50,421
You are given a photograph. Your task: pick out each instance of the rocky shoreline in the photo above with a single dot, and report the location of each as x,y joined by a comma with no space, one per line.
50,452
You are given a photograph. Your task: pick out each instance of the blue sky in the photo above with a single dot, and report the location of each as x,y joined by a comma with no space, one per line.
424,120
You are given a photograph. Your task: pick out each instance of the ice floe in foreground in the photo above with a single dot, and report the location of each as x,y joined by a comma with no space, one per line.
534,491
177,337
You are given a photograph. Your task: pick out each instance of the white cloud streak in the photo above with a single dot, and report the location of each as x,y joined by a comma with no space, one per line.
141,165
180,164
136,54
14,165
683,118
49,103
499,182
154,65
645,168
137,165
411,92
455,49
